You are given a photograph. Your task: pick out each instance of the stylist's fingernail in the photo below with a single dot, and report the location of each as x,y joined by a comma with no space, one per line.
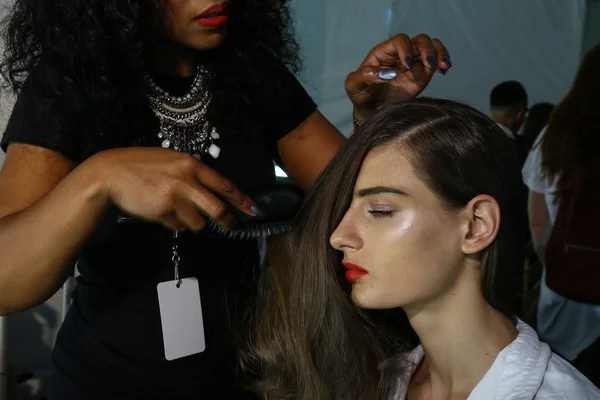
387,74
257,212
431,61
408,62
447,61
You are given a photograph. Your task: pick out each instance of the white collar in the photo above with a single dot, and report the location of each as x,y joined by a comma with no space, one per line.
517,372
508,132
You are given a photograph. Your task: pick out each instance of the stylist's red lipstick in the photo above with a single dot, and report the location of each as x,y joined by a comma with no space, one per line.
354,272
215,16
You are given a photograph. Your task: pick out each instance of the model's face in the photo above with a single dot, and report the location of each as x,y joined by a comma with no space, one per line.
197,24
403,236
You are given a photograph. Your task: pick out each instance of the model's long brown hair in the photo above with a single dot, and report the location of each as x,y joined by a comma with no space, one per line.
572,139
308,341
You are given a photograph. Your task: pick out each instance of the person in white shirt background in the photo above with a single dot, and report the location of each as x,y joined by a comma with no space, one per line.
412,298
570,141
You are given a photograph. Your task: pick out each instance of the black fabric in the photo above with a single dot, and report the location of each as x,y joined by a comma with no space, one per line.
110,345
588,363
523,145
34,121
280,106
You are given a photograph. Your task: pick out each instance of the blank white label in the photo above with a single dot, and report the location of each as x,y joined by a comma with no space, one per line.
181,318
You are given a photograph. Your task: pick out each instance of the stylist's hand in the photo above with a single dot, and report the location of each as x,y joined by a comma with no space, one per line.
168,187
368,91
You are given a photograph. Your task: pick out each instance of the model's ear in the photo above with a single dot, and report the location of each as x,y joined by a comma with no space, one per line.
481,222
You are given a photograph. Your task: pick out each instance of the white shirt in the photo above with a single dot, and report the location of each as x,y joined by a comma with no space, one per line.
534,179
508,132
567,326
525,369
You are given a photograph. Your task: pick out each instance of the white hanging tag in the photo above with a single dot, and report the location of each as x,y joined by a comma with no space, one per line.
181,318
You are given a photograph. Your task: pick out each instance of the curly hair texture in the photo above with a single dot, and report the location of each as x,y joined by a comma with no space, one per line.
86,60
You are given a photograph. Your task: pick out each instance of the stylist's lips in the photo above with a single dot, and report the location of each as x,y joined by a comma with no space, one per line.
215,16
354,272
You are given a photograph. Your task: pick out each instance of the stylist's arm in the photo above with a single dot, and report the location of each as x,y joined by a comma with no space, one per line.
52,208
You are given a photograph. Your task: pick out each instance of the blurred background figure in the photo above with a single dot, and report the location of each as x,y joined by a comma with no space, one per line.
508,106
537,119
563,159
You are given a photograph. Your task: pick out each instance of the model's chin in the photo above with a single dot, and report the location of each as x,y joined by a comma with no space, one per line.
369,298
359,297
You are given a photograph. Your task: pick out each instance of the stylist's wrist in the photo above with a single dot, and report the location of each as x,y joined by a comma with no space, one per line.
361,114
93,180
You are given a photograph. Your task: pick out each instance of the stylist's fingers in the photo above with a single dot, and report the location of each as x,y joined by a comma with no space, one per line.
361,79
172,223
396,51
224,188
363,85
424,47
208,204
189,215
443,57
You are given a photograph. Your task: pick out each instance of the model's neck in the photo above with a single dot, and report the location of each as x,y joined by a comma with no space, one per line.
461,335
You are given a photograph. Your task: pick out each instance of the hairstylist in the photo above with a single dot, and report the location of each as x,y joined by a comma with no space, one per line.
165,111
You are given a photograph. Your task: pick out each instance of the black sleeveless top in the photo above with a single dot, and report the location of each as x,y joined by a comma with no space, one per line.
110,345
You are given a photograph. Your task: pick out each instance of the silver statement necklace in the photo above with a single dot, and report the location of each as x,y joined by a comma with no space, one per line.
183,123
184,127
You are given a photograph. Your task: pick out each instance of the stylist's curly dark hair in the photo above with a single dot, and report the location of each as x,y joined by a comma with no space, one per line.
86,59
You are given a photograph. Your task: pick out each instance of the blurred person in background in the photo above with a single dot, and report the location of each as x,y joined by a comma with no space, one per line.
564,153
508,106
537,119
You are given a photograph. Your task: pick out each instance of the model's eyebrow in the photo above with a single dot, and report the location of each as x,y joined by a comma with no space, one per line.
372,191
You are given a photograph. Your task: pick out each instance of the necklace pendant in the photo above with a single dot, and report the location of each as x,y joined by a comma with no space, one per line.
183,123
214,151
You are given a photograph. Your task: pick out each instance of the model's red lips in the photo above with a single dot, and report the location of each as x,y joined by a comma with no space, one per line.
354,271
